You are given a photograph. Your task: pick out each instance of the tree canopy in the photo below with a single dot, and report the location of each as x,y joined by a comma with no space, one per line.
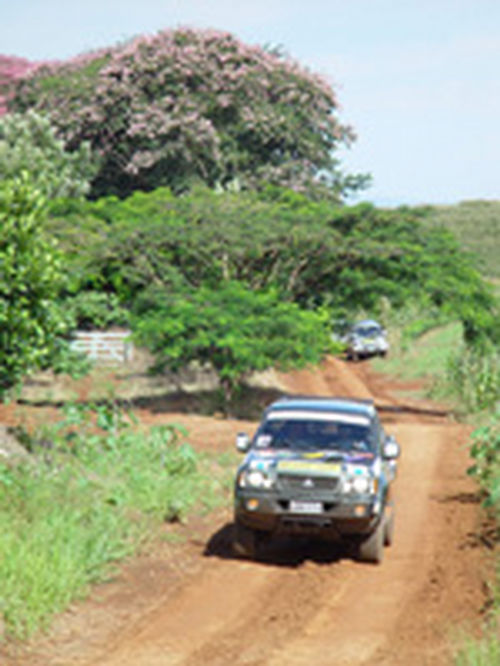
28,144
232,329
186,106
345,258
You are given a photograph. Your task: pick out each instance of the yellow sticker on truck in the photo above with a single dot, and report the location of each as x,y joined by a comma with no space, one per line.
308,467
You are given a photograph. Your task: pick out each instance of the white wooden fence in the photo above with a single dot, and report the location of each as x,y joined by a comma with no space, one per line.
104,346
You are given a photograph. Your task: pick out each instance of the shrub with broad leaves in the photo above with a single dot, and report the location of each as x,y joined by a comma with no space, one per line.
33,325
234,330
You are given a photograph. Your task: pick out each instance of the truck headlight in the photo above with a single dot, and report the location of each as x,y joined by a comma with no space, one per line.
359,481
361,484
255,478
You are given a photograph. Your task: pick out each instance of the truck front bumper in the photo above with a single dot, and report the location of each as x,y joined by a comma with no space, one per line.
328,517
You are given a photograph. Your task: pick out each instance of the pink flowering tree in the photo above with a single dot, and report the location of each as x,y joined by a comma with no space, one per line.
11,70
186,106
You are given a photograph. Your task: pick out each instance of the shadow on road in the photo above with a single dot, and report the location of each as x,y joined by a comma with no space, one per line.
281,550
248,404
412,409
462,498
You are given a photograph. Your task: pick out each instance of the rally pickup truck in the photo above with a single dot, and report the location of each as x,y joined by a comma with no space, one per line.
322,467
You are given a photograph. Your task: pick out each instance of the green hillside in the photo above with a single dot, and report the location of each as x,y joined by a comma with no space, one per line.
476,224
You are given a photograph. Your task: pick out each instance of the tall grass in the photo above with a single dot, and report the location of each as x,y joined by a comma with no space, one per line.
485,452
469,379
485,652
93,492
55,541
423,347
473,377
422,356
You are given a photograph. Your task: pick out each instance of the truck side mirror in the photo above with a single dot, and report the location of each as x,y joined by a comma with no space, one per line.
242,442
391,448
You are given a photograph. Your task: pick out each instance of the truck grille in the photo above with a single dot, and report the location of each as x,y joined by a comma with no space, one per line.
307,484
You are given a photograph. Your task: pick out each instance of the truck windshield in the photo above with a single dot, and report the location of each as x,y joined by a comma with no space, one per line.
313,435
367,331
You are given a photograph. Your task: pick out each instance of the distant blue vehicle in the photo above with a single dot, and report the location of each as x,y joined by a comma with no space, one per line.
366,338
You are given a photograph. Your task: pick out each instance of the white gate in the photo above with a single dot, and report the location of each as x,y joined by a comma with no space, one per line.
104,346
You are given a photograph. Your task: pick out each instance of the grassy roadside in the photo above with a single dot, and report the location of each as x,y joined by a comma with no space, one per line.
426,358
476,224
101,486
94,490
470,384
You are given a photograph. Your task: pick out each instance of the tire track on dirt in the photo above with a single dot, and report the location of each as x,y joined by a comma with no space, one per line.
225,602
273,619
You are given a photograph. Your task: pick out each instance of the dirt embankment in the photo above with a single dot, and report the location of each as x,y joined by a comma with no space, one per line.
192,604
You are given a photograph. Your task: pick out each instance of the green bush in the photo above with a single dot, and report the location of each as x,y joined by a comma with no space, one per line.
93,491
234,330
473,376
96,310
485,451
33,325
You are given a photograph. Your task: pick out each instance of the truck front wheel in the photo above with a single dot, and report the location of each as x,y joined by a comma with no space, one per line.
389,525
371,548
246,540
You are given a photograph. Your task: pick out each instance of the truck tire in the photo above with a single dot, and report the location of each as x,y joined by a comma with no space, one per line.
245,541
371,548
389,525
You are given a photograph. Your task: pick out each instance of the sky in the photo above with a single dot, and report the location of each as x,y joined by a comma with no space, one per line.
418,80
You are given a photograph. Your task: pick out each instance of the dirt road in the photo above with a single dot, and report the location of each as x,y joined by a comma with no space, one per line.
192,604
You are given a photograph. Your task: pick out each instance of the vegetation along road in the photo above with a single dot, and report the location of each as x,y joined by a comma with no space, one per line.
187,187
191,602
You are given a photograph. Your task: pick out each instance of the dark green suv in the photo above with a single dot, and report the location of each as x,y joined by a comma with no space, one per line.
320,467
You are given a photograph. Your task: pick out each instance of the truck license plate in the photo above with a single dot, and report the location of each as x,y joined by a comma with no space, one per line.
305,507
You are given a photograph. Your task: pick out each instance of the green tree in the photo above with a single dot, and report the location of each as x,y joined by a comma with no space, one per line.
312,253
32,325
234,330
28,143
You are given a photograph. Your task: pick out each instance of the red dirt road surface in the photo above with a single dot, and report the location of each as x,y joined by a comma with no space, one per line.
191,603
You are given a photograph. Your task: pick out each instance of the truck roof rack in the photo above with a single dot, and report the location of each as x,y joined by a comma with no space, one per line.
287,396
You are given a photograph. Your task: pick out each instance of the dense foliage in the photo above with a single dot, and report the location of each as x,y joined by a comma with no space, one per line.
32,323
28,143
188,105
474,376
313,254
99,489
194,270
232,329
485,452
